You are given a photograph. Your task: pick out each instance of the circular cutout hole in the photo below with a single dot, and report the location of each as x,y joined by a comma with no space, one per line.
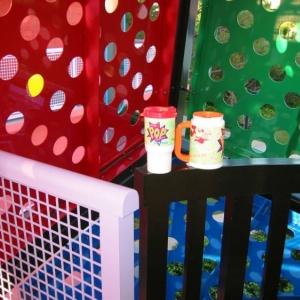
154,11
267,111
60,145
14,122
261,46
222,34
209,106
215,73
123,106
237,60
245,19
288,30
121,143
124,67
75,67
285,286
77,114
35,85
137,80
230,98
252,86
57,100
142,12
251,289
271,5
134,117
109,70
297,59
151,53
277,73
296,254
289,234
148,92
30,28
78,155
227,134
110,52
74,13
258,235
292,100
258,146
218,216
282,137
111,5
39,135
8,67
108,135
209,265
244,122
139,39
175,268
126,22
55,49
109,96
5,7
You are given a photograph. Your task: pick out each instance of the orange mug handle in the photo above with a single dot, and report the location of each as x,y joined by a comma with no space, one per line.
178,141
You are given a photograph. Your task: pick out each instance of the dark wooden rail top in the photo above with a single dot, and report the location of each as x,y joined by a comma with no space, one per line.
238,180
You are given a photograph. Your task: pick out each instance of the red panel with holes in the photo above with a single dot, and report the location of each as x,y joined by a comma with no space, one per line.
76,75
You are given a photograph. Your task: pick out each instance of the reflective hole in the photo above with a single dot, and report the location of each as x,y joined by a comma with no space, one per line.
230,98
123,106
237,60
258,235
77,114
74,13
14,122
108,135
110,52
5,7
282,137
124,67
134,117
271,5
154,11
58,100
109,96
126,22
215,73
60,145
245,19
35,85
55,49
30,28
75,67
137,80
111,5
121,143
78,155
209,106
258,146
227,134
297,59
292,100
148,92
222,34
244,122
261,46
8,67
267,111
277,73
139,39
288,30
151,53
39,135
252,86
218,216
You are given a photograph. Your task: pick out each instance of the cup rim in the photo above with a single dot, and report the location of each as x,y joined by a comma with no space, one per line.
208,114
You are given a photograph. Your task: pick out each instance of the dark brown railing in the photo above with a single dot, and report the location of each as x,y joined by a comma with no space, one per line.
239,180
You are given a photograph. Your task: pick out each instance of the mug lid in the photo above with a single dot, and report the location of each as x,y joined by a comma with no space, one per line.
159,112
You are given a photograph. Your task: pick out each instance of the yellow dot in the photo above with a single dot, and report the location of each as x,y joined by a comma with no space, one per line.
35,85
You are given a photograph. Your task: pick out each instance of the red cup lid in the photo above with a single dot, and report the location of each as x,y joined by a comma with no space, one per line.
159,112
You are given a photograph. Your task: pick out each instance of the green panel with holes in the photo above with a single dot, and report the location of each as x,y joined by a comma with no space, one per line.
248,67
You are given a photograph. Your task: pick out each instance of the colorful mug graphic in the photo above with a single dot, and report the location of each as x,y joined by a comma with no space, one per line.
159,136
206,147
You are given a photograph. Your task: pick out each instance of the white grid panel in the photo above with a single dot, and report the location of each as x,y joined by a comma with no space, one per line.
51,245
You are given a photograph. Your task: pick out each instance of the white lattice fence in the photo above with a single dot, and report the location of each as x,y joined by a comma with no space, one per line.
63,235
